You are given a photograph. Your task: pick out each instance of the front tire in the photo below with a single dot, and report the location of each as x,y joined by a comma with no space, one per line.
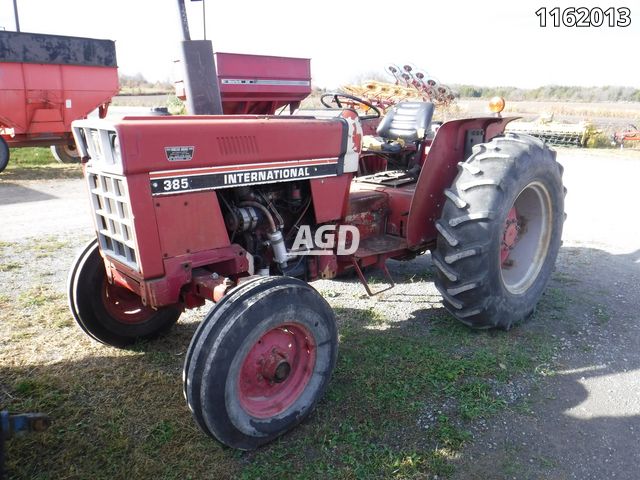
260,362
500,232
71,278
111,314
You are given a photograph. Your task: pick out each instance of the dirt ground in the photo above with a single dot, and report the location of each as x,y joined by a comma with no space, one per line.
583,422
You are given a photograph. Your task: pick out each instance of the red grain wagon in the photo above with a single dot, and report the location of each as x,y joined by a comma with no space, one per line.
46,82
258,84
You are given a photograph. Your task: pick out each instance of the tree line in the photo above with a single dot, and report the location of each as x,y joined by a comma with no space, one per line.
553,92
138,83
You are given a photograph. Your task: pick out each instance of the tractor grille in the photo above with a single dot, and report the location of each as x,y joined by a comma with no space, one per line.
114,222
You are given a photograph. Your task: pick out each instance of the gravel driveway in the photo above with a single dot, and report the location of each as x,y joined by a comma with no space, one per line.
584,421
32,208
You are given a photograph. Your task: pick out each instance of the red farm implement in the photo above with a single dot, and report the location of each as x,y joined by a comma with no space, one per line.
46,82
629,134
259,84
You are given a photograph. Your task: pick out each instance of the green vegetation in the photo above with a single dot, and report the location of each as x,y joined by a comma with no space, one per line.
553,92
401,404
37,163
138,85
176,106
9,266
31,156
44,246
388,381
600,140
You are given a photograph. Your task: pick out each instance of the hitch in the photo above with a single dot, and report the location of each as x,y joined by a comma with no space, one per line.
11,425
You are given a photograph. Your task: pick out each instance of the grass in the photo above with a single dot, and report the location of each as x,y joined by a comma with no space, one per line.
601,315
37,247
9,266
120,413
366,425
31,156
44,246
401,403
37,163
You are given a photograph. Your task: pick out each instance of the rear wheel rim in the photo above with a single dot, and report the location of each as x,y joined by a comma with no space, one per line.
124,306
526,238
71,150
276,370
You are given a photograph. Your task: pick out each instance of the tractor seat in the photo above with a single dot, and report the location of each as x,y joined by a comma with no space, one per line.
405,124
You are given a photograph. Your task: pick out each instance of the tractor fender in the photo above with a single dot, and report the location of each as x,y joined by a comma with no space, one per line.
439,168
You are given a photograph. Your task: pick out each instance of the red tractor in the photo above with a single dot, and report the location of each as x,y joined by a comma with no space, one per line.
196,208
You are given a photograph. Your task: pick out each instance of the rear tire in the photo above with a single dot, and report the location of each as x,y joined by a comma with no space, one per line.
500,232
4,154
259,363
67,153
108,313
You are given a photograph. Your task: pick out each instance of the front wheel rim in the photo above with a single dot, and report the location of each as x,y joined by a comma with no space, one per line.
276,371
526,238
123,305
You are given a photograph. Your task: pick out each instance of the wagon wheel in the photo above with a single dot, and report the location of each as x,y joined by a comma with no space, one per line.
259,363
4,154
500,232
351,100
109,313
67,153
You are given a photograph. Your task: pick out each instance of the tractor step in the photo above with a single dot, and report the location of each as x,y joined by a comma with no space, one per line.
380,244
382,265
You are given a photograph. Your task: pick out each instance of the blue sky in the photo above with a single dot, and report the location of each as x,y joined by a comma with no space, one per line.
493,42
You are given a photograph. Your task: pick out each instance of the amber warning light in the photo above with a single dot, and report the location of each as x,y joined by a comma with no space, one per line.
496,104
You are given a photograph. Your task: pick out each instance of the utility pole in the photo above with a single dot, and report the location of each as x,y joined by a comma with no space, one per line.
200,77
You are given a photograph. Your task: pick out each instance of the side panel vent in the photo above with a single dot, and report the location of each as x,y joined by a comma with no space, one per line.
238,145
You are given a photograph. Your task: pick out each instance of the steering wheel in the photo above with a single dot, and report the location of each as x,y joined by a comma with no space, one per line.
350,99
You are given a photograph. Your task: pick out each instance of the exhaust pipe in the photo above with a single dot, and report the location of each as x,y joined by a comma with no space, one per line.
200,76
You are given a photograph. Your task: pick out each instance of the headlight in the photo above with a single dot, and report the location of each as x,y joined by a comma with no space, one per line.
96,144
114,143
